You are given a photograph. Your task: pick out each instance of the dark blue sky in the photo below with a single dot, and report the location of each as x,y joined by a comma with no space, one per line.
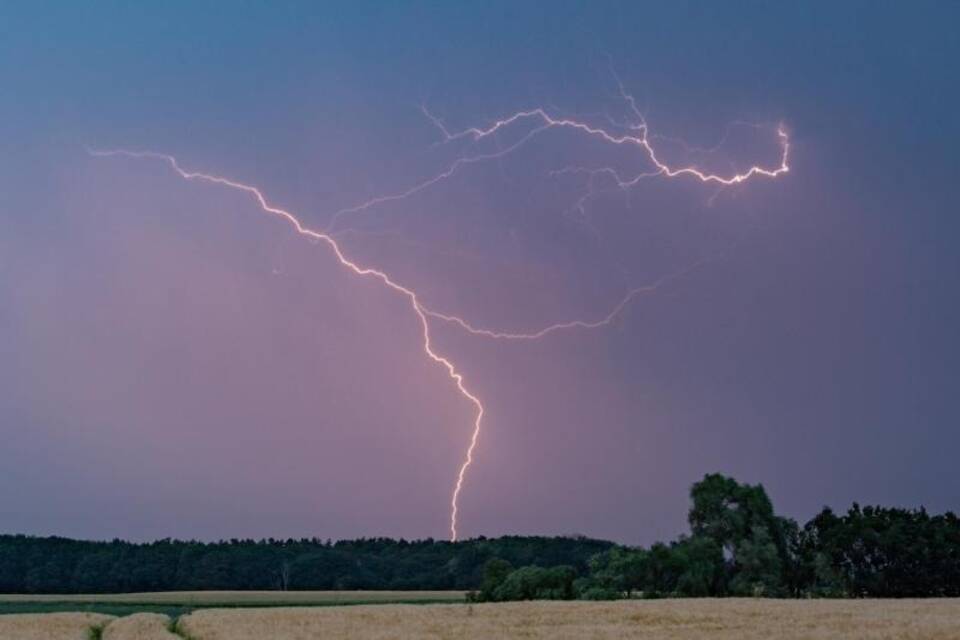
171,363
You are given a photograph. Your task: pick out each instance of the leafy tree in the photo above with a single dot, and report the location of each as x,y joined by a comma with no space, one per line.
702,559
759,572
495,573
664,568
537,583
741,520
618,571
879,552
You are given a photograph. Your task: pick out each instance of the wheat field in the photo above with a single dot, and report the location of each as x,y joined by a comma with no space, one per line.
707,619
50,626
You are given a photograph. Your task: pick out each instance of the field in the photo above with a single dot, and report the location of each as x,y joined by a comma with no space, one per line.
706,619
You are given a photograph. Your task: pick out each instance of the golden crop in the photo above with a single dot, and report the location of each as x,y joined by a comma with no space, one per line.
691,619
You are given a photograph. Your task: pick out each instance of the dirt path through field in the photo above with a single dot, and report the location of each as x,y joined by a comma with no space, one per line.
140,626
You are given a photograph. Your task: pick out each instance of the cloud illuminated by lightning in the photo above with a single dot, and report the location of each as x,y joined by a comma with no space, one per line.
638,137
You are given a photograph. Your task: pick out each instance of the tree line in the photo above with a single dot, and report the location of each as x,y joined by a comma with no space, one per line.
737,546
31,564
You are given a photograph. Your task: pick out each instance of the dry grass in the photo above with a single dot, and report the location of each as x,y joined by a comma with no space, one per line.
652,620
140,626
649,620
244,598
50,626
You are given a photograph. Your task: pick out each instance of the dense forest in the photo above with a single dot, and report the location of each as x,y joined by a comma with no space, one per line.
737,545
60,565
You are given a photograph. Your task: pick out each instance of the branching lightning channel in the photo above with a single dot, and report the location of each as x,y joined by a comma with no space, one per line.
569,324
638,136
421,312
642,140
443,175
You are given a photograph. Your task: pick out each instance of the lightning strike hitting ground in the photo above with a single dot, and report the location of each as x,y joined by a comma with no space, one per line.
418,309
638,138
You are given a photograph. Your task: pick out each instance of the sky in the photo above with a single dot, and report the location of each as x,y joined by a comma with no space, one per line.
174,362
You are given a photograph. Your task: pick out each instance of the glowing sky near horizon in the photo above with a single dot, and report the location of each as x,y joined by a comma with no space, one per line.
171,363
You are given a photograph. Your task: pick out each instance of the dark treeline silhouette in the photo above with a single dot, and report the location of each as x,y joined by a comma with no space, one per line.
737,546
60,565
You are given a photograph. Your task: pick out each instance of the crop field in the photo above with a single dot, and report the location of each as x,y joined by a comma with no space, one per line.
692,619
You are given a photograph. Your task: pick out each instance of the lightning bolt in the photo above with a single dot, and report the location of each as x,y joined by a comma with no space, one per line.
638,137
569,324
421,312
642,141
443,175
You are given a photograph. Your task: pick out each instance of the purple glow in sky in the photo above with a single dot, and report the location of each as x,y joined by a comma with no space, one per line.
174,362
